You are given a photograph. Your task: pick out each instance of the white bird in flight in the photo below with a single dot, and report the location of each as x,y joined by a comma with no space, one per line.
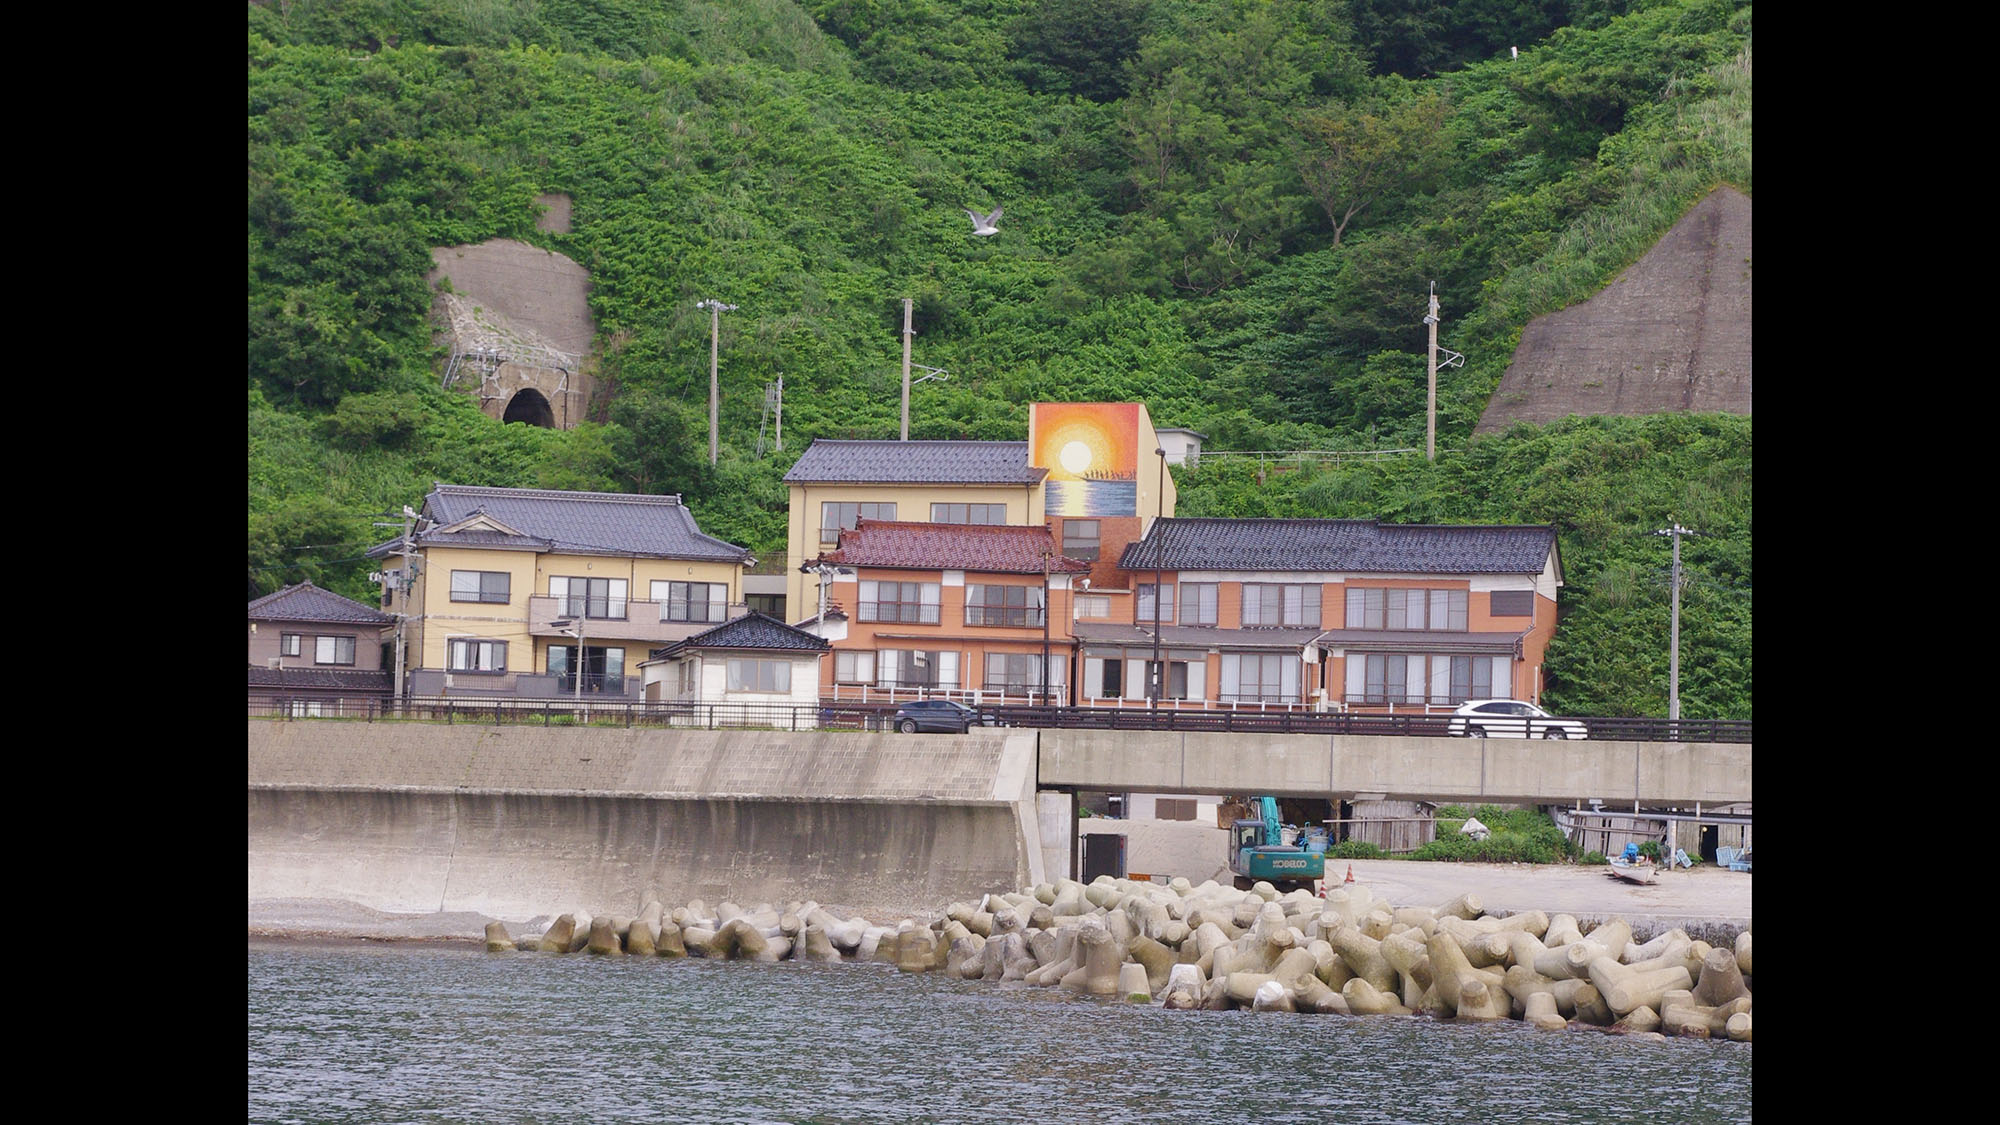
984,224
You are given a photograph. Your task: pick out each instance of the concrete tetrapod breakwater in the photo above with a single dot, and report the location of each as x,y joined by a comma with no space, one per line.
1217,948
506,821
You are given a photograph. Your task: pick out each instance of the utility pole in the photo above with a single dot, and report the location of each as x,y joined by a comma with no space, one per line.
906,369
781,412
1431,366
1674,641
1045,628
1158,673
715,310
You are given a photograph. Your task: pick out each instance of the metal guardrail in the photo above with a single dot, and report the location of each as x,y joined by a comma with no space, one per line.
863,716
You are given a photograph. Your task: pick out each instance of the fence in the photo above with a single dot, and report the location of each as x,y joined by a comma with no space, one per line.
876,715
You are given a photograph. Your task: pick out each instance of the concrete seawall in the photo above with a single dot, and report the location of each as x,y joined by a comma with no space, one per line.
513,822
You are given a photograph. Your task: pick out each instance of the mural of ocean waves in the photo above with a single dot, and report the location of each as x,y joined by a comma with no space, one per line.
1092,497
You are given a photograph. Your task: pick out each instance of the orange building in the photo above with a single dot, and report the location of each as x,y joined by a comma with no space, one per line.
980,610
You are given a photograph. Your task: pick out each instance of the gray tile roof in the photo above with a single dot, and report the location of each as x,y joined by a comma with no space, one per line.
583,523
753,630
1193,636
1354,546
320,680
307,602
1421,640
914,462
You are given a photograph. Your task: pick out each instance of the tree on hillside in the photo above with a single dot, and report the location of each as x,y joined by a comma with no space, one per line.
1352,156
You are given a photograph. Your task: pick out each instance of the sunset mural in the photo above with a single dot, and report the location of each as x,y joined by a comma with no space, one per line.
1091,450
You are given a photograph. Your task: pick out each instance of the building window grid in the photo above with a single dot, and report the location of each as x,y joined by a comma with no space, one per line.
1275,604
914,603
1440,680
472,654
1019,672
968,513
590,597
836,516
768,676
337,650
1144,607
1198,603
1407,609
916,668
1082,539
290,644
1017,606
692,601
491,586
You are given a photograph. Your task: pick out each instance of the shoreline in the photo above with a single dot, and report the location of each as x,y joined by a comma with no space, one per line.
1703,900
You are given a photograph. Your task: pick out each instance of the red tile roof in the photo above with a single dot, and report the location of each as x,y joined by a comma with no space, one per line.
1002,548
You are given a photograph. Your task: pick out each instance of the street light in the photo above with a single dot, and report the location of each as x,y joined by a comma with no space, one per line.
715,310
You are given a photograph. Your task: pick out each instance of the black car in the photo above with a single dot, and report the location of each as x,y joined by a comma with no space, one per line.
941,715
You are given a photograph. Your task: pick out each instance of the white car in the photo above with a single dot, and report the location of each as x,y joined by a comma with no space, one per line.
1510,718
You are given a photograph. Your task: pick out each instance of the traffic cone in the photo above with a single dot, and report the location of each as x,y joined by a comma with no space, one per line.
1350,874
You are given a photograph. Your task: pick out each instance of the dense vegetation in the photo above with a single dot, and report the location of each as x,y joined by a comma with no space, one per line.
1230,210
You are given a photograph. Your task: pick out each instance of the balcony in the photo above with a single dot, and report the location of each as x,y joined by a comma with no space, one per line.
607,621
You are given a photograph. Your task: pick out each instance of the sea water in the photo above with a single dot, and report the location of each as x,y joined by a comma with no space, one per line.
368,1032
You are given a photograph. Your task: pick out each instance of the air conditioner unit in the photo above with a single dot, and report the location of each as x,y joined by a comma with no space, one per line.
274,662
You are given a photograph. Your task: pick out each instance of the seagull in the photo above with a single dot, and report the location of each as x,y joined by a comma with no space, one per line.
984,224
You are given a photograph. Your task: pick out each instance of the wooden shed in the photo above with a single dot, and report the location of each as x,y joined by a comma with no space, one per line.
1393,826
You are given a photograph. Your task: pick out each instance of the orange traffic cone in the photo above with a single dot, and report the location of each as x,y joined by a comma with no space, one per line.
1350,874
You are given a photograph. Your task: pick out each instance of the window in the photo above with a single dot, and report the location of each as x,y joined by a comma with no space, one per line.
968,513
913,669
481,586
835,517
603,668
590,597
1092,605
1020,673
333,650
690,678
1081,539
1198,603
854,667
1260,677
913,602
470,654
1406,609
1003,605
1145,607
1433,678
1513,603
760,675
692,601
1114,673
1271,604
1104,678
288,644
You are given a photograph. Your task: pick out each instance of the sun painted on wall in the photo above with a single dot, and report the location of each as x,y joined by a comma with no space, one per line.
1091,450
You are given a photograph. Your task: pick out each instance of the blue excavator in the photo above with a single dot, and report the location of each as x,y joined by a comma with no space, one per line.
1255,853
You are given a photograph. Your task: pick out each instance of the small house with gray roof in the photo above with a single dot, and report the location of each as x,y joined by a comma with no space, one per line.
752,670
1335,614
539,594
313,652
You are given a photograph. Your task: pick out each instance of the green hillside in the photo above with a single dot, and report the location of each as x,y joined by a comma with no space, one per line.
1230,210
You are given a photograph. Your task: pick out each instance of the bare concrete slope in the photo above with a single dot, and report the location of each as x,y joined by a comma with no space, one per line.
1672,333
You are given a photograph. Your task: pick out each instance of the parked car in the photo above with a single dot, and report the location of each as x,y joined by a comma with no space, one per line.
941,715
1510,718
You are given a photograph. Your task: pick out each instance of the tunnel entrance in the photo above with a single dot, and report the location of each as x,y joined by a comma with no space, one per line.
530,407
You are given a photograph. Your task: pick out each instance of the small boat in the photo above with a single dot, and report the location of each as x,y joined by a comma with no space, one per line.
1635,871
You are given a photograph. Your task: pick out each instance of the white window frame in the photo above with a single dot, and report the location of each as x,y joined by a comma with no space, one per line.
491,655
320,644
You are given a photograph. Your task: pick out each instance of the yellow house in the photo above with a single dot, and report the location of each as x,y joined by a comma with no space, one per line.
1093,472
496,589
